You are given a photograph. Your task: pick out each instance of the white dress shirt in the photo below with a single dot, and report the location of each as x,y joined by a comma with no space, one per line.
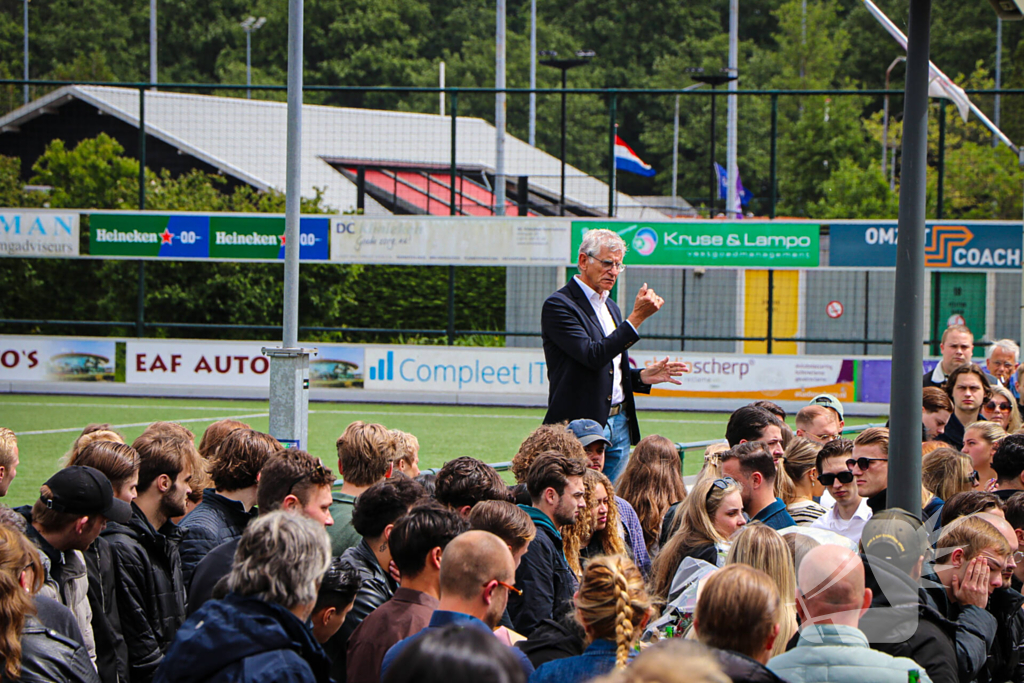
598,300
848,528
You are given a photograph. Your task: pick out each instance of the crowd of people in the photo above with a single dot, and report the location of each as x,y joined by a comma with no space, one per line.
240,560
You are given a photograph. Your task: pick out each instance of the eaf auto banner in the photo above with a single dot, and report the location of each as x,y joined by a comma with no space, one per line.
711,243
445,241
232,363
57,359
754,377
38,233
220,236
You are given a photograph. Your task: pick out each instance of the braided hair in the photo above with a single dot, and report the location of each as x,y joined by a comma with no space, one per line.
612,603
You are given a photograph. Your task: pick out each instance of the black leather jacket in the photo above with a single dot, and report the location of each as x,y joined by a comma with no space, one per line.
48,657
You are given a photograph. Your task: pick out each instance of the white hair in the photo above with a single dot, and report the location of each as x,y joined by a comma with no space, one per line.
281,558
596,240
1005,345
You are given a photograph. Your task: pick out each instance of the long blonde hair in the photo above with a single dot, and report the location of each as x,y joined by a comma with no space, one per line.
800,457
763,548
696,527
651,483
578,535
612,602
946,472
17,554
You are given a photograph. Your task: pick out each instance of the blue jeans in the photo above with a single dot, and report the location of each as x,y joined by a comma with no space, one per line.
616,455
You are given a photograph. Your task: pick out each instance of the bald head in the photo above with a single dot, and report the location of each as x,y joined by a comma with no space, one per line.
1004,527
831,585
471,560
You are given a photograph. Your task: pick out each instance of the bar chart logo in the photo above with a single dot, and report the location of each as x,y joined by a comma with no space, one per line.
385,369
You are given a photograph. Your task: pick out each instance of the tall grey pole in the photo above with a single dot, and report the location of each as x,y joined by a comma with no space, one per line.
499,112
289,366
999,73
732,171
152,42
25,76
803,37
248,65
533,73
675,156
904,487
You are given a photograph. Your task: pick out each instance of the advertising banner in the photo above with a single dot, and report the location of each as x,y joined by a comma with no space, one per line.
203,236
971,245
456,369
38,233
57,359
755,377
711,243
450,241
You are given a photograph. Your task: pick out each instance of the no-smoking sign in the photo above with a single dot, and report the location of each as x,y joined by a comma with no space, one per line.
834,309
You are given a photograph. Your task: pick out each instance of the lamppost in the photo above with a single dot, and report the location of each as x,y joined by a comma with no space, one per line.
249,25
26,51
582,57
885,117
714,80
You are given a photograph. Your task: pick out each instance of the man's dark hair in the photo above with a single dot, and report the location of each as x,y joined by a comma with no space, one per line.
1008,460
339,586
428,481
240,457
748,423
383,504
968,503
551,469
1014,510
836,448
417,533
290,471
467,481
771,407
967,369
934,399
164,450
753,458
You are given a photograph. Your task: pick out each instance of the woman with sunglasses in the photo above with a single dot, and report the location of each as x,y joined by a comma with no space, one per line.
1002,408
945,473
980,442
710,515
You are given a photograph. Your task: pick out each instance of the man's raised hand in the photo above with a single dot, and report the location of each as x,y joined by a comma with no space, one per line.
647,304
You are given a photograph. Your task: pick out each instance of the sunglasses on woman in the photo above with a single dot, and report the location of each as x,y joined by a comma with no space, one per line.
723,483
828,479
974,478
1002,407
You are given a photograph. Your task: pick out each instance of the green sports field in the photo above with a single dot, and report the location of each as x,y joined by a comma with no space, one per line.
47,425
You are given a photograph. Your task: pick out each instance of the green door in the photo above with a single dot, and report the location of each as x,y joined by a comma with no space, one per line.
958,299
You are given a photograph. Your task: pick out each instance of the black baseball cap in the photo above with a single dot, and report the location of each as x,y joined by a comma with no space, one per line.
85,491
896,536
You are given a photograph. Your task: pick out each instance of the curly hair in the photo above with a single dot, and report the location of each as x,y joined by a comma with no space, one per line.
577,536
553,437
612,603
651,483
16,556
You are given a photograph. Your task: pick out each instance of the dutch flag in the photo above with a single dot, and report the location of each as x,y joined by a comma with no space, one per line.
627,160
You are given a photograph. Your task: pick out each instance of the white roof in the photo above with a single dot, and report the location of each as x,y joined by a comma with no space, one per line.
247,139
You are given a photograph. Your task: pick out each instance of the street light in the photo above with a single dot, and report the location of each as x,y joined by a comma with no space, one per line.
582,57
885,118
714,80
249,25
26,51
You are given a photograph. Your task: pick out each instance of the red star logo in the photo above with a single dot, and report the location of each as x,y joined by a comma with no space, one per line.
166,237
282,239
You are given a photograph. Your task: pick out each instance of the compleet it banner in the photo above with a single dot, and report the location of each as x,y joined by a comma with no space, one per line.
970,245
456,369
57,359
203,236
447,241
754,377
711,243
43,234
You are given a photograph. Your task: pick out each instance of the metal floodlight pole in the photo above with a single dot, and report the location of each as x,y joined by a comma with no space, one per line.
152,42
561,155
249,25
532,138
999,75
714,80
885,112
731,153
675,156
25,87
584,57
500,104
289,366
904,484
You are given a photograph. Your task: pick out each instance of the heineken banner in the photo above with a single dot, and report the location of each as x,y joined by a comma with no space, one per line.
220,236
711,243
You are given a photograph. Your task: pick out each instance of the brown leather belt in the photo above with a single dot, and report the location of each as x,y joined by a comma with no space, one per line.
615,410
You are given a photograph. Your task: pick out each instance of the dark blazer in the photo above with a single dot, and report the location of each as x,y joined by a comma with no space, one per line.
579,359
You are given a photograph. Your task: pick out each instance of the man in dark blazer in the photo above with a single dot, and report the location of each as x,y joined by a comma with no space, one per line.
585,342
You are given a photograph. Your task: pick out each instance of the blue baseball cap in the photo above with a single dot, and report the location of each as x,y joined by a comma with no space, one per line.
588,431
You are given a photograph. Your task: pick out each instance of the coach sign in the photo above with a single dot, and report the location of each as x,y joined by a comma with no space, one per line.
38,233
983,246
